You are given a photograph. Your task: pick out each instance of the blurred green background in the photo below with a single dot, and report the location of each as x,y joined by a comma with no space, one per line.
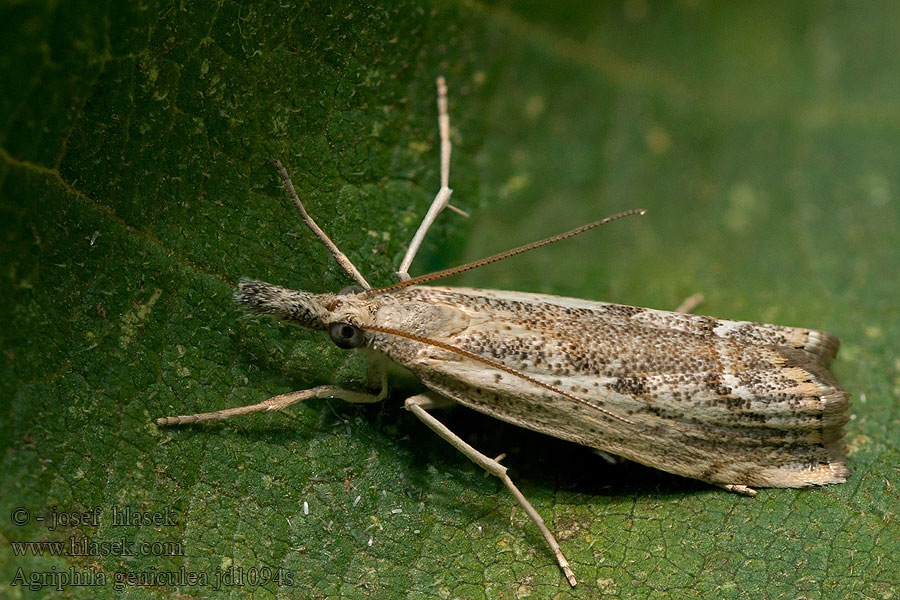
135,189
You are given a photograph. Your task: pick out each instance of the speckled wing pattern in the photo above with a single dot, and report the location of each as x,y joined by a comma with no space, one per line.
727,402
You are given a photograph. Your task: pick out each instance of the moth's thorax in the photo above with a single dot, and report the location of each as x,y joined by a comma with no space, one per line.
418,316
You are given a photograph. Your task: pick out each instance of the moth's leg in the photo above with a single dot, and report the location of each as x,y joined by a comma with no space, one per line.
418,405
612,459
690,303
308,220
443,196
737,488
274,403
376,373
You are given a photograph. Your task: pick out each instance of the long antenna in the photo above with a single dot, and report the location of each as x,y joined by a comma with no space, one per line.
498,257
495,364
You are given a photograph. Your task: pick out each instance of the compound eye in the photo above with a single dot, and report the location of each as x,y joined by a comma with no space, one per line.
351,289
345,336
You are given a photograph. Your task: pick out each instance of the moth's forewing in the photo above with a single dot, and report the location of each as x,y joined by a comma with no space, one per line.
728,402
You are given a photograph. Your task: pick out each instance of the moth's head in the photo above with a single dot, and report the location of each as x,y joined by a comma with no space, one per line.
339,314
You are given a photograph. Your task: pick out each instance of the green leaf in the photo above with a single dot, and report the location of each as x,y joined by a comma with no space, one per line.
136,188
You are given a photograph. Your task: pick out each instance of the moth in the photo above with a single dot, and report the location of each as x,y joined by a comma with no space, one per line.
737,404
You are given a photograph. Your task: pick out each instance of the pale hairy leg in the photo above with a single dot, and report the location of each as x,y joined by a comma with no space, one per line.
419,405
442,199
279,402
737,488
690,303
